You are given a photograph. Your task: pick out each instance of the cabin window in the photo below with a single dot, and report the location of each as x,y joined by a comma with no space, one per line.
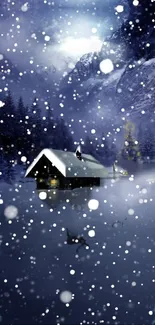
54,182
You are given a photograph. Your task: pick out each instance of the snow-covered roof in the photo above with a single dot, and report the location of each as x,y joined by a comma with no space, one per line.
69,165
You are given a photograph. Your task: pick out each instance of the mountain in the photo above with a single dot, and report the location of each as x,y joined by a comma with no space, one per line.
131,83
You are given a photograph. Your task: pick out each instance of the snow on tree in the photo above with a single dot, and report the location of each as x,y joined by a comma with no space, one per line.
130,150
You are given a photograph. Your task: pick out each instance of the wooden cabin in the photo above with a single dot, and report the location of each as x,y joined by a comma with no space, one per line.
65,170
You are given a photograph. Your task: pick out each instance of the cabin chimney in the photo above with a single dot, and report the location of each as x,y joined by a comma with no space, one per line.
79,152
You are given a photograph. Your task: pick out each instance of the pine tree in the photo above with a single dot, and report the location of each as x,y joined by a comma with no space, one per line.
49,123
7,128
113,153
130,150
104,150
88,146
37,128
62,138
146,139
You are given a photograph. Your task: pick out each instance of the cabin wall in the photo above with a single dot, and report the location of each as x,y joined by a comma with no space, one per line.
70,183
84,182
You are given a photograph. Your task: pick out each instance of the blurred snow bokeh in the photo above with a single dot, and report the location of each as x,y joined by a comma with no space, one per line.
66,297
11,212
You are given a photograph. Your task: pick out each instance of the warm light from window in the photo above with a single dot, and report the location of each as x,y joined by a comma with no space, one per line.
54,182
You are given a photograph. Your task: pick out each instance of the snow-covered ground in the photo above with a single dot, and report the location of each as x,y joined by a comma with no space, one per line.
113,281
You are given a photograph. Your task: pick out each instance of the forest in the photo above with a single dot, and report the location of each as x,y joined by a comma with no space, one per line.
25,132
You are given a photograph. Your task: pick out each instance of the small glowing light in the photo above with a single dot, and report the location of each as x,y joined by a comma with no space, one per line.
54,182
80,46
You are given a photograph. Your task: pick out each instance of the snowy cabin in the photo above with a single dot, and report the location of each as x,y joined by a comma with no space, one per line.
64,169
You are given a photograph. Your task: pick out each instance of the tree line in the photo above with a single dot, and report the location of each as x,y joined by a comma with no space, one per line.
25,132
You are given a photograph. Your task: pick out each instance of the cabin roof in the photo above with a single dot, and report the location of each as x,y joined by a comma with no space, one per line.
69,165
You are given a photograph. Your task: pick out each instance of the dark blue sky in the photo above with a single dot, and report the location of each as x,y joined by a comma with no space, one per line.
74,28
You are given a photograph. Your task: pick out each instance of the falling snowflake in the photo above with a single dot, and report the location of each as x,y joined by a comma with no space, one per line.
72,272
93,131
23,159
11,212
66,296
144,190
119,8
47,38
150,312
93,204
106,66
128,243
1,103
94,30
42,195
91,233
131,212
135,2
25,7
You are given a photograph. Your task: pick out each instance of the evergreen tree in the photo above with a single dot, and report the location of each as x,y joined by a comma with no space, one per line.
113,153
146,139
130,150
62,138
37,128
93,148
7,172
89,147
104,150
49,134
7,127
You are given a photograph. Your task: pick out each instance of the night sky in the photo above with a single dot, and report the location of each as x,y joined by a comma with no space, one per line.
41,42
37,35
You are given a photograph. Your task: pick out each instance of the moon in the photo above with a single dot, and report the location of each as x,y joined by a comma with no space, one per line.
80,46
